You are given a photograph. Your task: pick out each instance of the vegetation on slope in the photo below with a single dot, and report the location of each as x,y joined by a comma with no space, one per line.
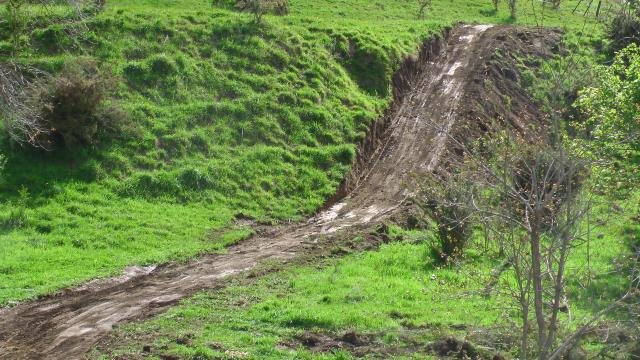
224,118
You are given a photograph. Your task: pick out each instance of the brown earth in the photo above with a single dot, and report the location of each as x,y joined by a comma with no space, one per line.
456,86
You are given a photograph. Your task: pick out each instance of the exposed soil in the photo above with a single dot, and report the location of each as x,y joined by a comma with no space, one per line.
453,87
408,342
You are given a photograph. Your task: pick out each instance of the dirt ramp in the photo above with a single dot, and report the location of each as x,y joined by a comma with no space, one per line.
496,96
441,92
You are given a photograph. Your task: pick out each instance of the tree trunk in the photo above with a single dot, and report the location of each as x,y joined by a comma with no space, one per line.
538,300
524,344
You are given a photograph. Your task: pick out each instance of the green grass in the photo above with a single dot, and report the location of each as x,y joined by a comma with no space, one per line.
392,292
224,117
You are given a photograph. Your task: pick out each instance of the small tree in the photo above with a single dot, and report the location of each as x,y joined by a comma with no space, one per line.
529,198
260,7
453,221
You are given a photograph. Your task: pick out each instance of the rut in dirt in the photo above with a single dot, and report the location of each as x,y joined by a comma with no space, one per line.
67,325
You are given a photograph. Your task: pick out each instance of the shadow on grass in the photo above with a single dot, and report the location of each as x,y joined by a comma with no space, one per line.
41,173
489,12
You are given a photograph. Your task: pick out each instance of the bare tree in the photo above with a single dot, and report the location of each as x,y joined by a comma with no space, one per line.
22,118
529,196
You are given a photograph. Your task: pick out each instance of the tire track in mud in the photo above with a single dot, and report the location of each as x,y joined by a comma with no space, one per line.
67,325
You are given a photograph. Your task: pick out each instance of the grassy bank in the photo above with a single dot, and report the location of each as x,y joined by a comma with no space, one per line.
224,117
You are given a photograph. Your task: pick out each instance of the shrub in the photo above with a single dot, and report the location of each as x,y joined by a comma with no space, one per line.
73,106
624,30
610,129
446,206
260,7
454,230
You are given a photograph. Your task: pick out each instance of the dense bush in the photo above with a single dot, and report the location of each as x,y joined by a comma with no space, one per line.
74,106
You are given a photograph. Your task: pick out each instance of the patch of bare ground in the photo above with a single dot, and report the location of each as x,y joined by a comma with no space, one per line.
475,343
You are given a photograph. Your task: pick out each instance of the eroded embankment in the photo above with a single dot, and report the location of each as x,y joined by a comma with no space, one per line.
431,94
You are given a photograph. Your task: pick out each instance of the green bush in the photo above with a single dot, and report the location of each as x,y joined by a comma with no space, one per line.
453,229
445,205
611,127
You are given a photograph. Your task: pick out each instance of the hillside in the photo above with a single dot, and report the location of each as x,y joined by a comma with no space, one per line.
223,118
232,134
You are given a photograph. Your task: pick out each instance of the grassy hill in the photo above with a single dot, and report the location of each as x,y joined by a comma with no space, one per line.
224,118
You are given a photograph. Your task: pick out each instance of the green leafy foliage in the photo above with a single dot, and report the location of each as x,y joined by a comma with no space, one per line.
611,130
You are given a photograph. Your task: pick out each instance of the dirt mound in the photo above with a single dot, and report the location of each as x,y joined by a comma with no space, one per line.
496,95
452,347
351,341
454,86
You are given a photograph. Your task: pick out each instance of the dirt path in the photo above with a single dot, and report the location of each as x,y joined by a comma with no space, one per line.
65,326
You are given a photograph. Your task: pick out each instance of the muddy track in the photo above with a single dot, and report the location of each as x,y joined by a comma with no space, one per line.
66,325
